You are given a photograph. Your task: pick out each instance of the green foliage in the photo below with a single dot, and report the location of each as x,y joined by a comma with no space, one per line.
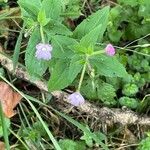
59,77
7,123
139,80
100,17
61,47
72,8
99,91
75,67
17,48
108,66
42,18
144,144
91,37
128,102
129,20
52,8
35,67
30,9
130,89
72,145
106,93
87,138
138,63
88,90
128,2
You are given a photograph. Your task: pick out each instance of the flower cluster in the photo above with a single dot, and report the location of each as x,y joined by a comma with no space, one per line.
43,51
76,99
110,50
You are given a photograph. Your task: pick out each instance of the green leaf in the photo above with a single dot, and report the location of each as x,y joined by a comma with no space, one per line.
34,66
67,144
63,73
58,29
88,90
31,7
92,37
17,48
128,102
108,66
7,123
61,46
132,3
88,139
59,76
42,18
52,8
106,93
75,67
100,17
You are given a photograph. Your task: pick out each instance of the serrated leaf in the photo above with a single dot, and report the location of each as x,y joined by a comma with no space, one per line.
108,66
42,18
67,144
52,8
32,7
88,139
34,66
58,29
132,3
106,93
17,48
75,67
88,91
61,46
100,17
59,76
91,37
63,74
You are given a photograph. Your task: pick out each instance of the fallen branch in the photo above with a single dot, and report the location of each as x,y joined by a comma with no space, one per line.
105,114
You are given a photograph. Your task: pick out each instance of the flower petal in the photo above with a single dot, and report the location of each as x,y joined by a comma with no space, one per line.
110,50
76,99
43,51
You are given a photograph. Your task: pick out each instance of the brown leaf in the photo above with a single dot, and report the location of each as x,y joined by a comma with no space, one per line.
2,146
9,99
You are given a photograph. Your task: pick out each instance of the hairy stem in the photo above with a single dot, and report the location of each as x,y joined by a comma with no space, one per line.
42,34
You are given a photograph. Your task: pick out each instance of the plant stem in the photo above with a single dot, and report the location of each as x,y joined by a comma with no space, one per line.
4,127
42,34
98,52
82,75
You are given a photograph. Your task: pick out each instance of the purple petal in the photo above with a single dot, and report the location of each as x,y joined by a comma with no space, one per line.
110,50
46,55
43,51
76,99
48,47
39,46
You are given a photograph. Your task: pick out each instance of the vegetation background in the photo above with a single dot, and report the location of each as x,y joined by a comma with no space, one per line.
75,29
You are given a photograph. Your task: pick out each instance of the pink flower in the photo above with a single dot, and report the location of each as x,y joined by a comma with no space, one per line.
43,51
110,50
76,99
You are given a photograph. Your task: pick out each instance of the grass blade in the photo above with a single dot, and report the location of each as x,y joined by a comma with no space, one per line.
17,48
4,127
55,143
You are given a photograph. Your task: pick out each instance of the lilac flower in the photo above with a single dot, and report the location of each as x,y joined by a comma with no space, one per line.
110,50
43,51
76,99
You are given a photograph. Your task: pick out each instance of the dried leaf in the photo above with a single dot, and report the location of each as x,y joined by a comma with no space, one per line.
2,146
9,99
